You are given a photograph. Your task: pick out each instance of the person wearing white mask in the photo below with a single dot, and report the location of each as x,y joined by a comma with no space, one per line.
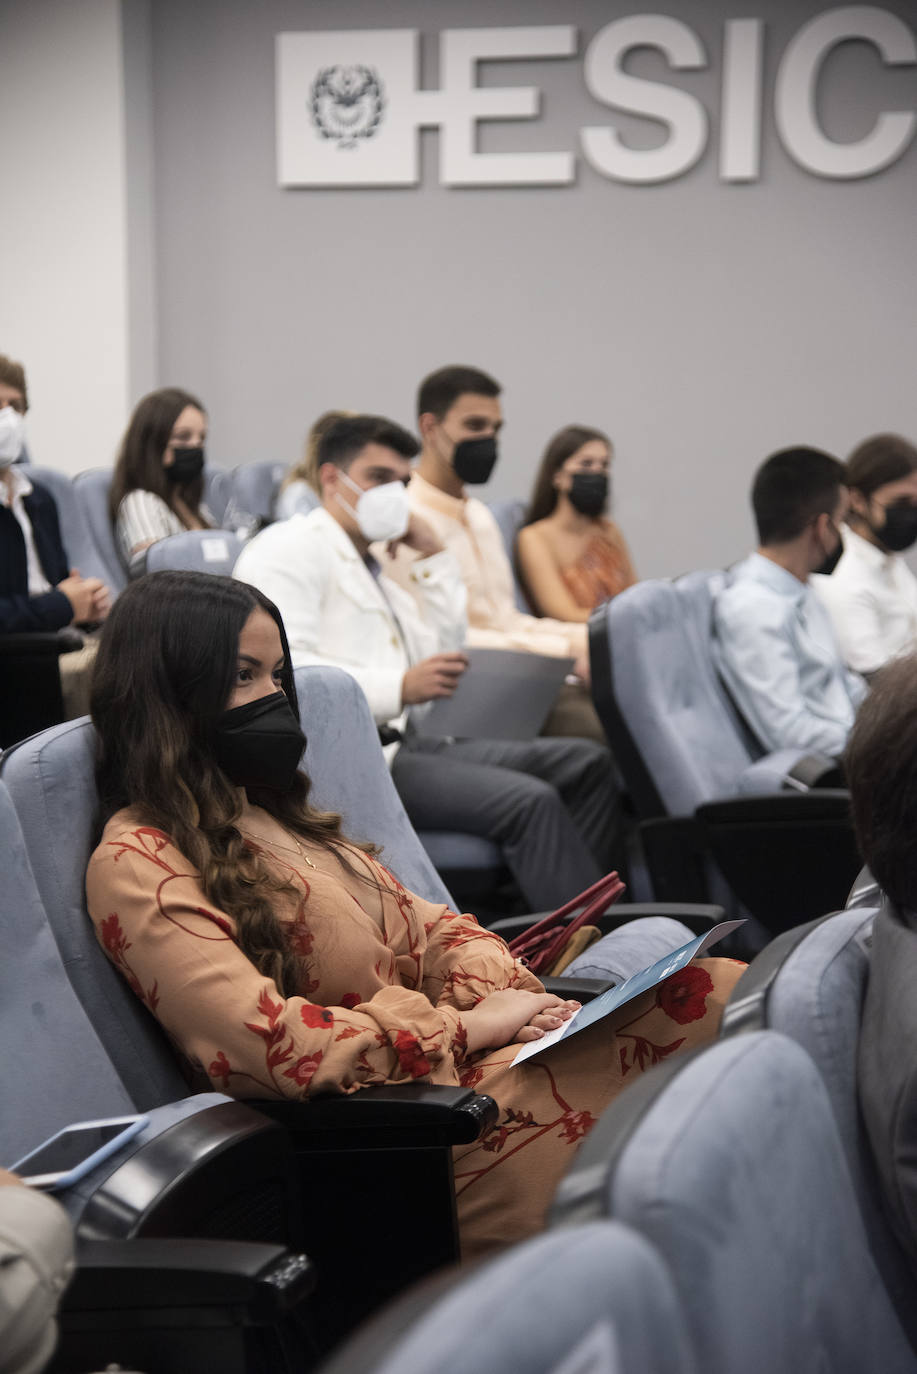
39,591
546,802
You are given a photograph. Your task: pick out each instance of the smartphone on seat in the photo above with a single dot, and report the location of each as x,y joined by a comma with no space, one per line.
68,1156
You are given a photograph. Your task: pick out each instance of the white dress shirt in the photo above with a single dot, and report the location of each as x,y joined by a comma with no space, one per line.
872,599
11,496
336,611
778,656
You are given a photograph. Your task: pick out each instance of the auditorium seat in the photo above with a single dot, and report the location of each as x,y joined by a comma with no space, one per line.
509,515
92,489
209,551
79,541
707,798
729,1162
590,1298
810,984
392,1141
255,487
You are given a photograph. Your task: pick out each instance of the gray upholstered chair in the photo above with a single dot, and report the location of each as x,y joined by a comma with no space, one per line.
255,487
509,515
92,494
595,1297
708,798
209,551
78,538
810,984
729,1162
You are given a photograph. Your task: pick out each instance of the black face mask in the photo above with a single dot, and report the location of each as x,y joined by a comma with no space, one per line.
588,492
473,460
260,744
189,463
899,531
831,560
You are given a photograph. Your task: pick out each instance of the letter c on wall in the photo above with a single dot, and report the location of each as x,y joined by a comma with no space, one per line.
797,80
683,113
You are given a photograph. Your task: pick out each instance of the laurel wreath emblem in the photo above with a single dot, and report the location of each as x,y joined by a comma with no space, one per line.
347,103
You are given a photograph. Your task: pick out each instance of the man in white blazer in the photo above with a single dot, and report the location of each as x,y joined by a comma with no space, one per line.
548,803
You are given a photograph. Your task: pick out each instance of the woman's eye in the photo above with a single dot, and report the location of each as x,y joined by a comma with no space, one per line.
277,675
244,674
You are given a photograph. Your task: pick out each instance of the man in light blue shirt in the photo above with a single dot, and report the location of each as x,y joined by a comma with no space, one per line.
775,646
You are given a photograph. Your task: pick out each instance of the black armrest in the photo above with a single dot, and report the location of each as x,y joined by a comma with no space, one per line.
698,916
583,989
384,1116
41,643
829,803
175,1273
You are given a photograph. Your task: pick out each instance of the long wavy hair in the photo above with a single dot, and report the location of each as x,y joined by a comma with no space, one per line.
139,463
162,678
565,443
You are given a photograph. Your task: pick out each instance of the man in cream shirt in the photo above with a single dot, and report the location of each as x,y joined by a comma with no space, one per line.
547,803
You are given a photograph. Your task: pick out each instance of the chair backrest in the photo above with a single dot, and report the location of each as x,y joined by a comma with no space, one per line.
729,1162
217,492
812,989
54,1068
50,778
255,487
349,774
92,489
672,729
78,538
591,1298
209,551
509,515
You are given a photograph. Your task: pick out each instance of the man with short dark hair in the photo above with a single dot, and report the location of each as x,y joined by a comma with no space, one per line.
775,645
546,802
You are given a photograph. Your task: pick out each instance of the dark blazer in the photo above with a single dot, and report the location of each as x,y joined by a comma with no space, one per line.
18,611
887,1067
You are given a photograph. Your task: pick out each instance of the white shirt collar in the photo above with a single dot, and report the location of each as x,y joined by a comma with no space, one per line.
18,486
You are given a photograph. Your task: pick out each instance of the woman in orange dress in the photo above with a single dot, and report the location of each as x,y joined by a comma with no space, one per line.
283,958
571,556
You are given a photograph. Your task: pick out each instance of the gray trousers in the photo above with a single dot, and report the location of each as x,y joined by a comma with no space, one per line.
550,804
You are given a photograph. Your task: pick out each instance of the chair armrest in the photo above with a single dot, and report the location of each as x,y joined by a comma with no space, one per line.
583,989
823,804
41,643
698,916
384,1116
182,1272
787,768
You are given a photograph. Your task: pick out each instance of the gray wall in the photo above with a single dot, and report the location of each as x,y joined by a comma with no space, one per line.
701,324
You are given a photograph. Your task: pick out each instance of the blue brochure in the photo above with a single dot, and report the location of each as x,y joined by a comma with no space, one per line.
631,987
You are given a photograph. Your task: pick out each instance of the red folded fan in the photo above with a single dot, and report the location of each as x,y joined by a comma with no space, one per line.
542,944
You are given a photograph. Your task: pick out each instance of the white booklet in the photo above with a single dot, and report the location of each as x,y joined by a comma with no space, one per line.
632,987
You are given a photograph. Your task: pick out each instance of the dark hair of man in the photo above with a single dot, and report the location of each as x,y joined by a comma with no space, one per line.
791,488
883,458
13,374
162,678
346,439
880,764
139,463
565,443
438,393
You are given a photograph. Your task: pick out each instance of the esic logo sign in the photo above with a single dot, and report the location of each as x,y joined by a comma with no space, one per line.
349,110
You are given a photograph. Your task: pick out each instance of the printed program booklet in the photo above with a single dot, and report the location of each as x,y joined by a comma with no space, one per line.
632,987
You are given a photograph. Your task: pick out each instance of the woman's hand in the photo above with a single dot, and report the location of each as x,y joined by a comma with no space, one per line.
505,1018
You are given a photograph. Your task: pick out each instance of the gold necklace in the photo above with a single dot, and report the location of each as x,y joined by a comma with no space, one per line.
276,844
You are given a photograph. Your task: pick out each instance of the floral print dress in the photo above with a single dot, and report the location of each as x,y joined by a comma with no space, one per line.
385,978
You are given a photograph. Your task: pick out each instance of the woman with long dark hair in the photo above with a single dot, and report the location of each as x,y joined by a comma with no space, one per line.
571,555
159,475
281,956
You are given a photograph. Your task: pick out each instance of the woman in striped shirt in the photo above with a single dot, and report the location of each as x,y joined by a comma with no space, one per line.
158,482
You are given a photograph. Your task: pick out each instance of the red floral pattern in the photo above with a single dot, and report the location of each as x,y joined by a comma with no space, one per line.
683,997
